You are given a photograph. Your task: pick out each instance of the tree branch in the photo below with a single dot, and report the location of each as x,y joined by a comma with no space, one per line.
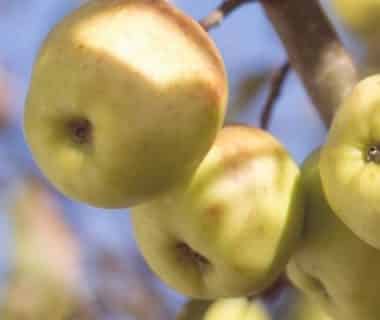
272,294
218,15
276,84
314,51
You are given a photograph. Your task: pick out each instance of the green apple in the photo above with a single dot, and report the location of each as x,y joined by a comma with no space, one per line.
331,264
350,161
224,309
126,99
229,230
298,306
360,16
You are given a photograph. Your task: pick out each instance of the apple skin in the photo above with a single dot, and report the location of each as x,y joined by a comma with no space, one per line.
224,309
331,264
361,17
237,308
351,180
297,306
126,99
229,230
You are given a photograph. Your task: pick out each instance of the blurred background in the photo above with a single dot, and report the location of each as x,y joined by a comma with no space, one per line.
65,260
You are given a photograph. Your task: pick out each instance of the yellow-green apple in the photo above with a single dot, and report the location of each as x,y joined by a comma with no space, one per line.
125,100
331,264
230,229
297,306
350,161
361,17
237,308
224,309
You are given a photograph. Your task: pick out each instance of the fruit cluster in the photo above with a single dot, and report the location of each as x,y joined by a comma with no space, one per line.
337,260
126,108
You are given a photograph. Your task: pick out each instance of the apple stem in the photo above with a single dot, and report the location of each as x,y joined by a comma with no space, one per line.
217,16
273,292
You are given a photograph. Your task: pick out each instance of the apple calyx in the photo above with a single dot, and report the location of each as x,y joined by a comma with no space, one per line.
191,255
373,154
80,130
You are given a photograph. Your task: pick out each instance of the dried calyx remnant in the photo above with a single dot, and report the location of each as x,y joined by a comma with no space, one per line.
373,154
188,254
80,130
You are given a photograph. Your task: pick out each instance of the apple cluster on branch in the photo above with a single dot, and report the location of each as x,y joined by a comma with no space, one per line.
126,108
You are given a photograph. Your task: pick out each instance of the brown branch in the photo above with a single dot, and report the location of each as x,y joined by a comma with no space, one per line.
276,84
272,294
218,15
315,52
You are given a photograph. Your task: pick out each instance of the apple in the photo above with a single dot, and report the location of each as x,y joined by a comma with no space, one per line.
237,308
125,100
224,309
331,264
297,306
230,229
361,17
350,161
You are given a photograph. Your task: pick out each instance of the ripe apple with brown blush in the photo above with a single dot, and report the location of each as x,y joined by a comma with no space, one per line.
125,100
230,229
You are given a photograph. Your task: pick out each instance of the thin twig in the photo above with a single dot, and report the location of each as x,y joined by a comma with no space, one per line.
276,85
272,293
218,15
